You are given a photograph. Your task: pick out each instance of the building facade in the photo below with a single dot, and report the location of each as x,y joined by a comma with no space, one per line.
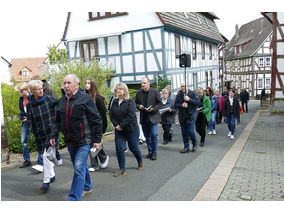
248,58
139,44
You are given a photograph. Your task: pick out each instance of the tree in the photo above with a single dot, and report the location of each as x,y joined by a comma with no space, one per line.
56,55
84,70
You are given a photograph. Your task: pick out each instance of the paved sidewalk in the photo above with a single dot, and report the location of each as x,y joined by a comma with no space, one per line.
259,171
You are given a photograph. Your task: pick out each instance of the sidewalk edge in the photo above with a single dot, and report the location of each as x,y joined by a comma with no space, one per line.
215,184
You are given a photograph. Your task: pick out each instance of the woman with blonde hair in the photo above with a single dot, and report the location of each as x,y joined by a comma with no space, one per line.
23,89
40,121
123,116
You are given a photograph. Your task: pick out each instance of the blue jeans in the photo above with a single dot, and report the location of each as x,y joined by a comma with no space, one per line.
26,152
81,178
120,146
231,123
150,131
187,130
212,121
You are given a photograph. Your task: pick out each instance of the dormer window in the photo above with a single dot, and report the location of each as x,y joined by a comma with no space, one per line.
101,15
25,74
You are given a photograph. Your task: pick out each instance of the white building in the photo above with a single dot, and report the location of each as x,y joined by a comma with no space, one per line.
149,43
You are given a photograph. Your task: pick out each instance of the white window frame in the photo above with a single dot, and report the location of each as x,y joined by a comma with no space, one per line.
259,83
267,62
25,74
259,61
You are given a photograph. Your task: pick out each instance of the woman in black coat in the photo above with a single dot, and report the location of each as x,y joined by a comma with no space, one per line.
231,110
92,90
123,117
168,116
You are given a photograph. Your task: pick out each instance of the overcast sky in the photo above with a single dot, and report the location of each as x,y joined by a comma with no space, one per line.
27,30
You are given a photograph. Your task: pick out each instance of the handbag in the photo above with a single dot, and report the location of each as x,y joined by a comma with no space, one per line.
51,154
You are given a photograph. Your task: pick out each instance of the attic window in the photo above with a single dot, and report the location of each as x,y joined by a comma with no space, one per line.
25,74
260,31
101,15
251,30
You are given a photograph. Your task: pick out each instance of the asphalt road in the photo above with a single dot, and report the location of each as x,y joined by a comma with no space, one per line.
173,176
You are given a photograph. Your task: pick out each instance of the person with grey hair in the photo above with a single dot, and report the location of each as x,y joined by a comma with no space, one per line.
40,120
168,113
81,124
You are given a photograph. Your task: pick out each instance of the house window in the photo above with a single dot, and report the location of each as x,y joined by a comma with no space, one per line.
101,15
25,74
203,50
268,61
267,83
193,49
178,47
88,50
210,51
260,83
261,62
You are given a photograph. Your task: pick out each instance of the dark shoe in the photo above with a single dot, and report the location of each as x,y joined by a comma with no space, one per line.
26,164
184,150
119,173
140,165
154,156
149,155
194,148
165,142
44,187
141,142
201,143
52,179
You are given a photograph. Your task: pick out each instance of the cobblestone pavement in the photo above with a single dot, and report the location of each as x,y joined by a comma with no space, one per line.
259,172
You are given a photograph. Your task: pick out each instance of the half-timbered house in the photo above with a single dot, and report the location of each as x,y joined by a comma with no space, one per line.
248,57
149,43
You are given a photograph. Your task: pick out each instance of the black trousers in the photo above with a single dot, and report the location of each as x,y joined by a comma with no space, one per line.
200,126
245,103
167,136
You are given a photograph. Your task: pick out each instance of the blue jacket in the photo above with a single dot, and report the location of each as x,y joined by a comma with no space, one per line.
189,113
40,120
22,111
214,103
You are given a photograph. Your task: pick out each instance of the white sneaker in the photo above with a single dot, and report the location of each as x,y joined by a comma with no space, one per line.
214,132
59,162
38,168
104,165
229,134
92,169
232,137
210,133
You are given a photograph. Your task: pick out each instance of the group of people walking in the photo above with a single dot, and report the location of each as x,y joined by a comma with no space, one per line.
81,116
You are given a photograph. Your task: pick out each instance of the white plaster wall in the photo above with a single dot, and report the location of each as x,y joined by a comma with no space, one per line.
127,64
126,43
80,27
138,41
113,45
101,45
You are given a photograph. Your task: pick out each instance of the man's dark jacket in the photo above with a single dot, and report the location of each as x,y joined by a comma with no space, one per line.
154,100
78,119
189,113
244,96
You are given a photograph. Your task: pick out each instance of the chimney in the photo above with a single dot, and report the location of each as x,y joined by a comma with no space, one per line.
237,30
